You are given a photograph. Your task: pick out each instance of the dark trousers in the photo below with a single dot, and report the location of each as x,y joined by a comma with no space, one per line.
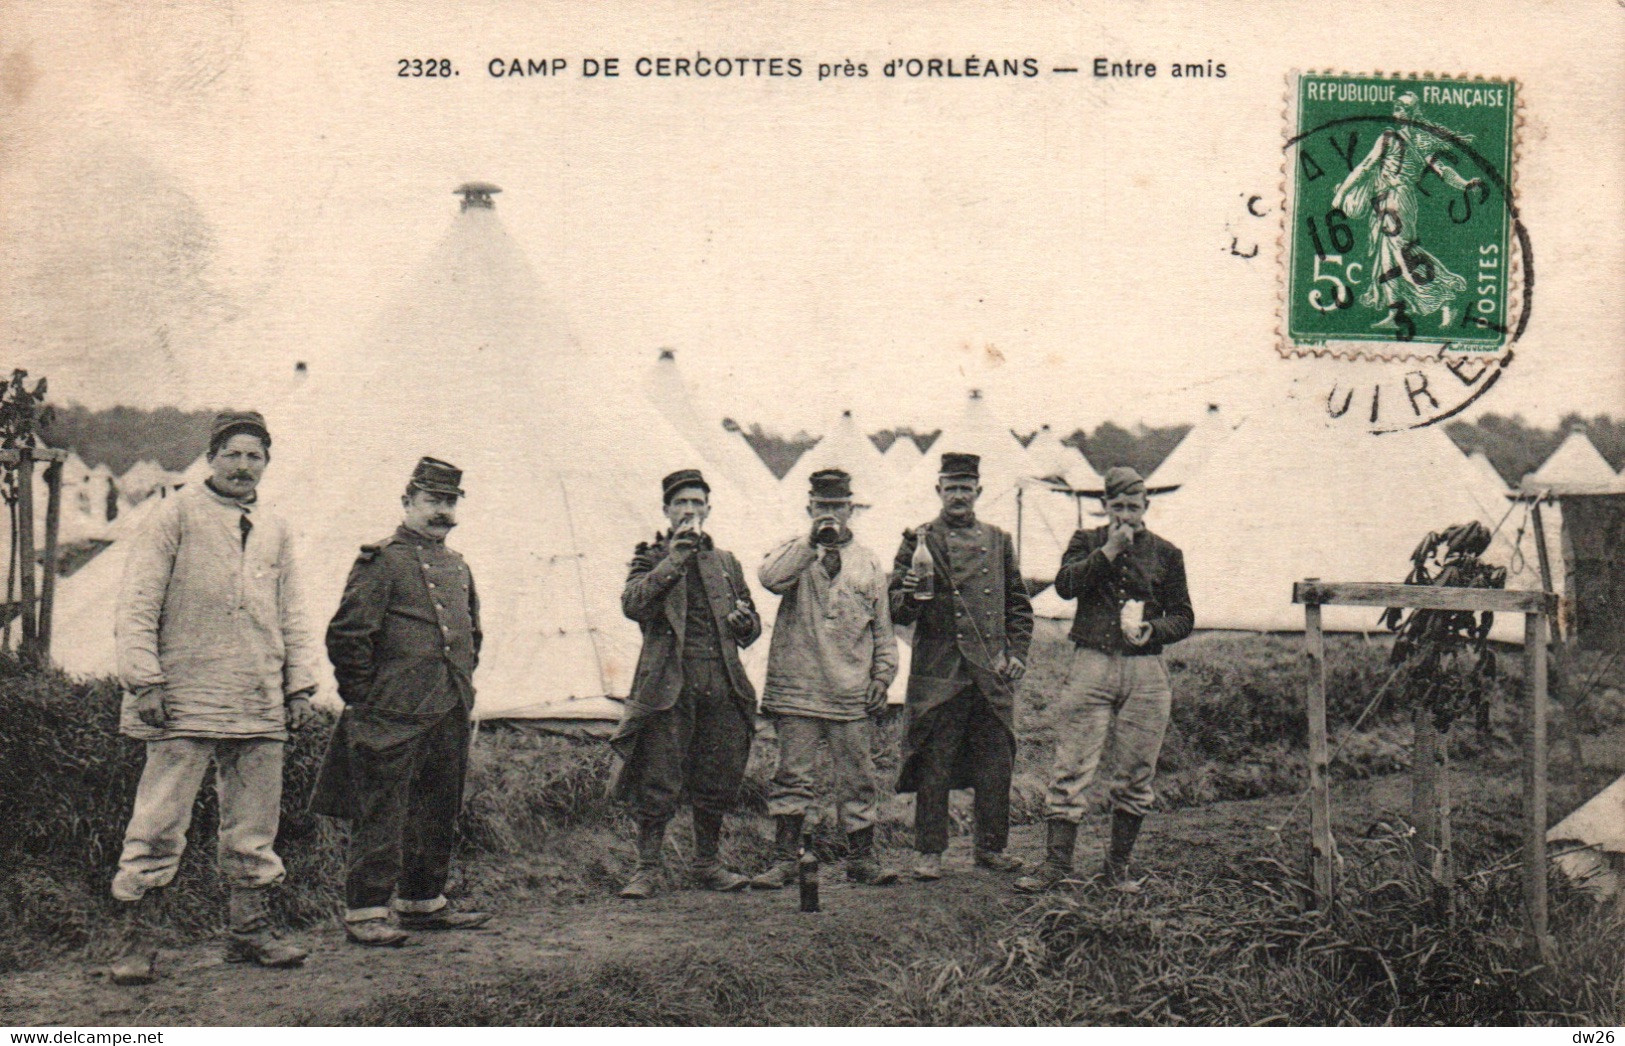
699,744
407,797
964,723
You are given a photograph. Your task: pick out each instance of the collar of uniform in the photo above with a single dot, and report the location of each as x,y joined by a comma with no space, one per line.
407,534
245,503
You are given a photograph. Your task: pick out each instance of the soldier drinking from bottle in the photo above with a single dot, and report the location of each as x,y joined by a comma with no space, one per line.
691,714
832,659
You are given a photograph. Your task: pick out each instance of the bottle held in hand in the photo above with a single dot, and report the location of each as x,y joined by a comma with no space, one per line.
807,874
923,567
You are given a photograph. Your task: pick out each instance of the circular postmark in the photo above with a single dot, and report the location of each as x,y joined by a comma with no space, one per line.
1403,256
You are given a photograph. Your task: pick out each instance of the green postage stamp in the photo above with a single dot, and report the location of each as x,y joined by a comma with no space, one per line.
1401,229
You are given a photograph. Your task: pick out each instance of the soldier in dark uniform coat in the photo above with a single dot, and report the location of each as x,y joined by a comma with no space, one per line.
970,648
404,645
691,714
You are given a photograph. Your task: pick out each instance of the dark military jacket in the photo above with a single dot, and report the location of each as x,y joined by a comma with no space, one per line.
1151,570
404,645
981,616
656,597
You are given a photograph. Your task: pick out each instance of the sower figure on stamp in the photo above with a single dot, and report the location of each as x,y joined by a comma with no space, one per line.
404,645
691,714
1132,602
973,623
834,655
217,662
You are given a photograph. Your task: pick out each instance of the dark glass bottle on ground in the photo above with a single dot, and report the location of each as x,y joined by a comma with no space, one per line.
807,874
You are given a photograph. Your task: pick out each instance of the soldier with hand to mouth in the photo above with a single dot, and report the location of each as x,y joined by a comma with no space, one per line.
691,715
834,655
1133,600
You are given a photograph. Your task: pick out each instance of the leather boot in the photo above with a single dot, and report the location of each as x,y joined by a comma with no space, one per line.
1125,829
861,864
252,939
1060,839
138,946
786,838
709,870
645,881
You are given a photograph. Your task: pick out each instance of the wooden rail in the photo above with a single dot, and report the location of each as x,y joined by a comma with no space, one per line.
1537,608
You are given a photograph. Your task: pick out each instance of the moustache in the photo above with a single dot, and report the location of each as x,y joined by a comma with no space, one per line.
442,521
241,475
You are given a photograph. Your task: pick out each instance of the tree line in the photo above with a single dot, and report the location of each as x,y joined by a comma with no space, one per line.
121,436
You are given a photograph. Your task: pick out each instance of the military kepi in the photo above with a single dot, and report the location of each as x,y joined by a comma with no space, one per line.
680,479
230,422
1120,479
437,477
957,464
831,485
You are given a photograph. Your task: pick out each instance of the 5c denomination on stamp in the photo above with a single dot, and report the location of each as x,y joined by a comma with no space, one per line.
1401,239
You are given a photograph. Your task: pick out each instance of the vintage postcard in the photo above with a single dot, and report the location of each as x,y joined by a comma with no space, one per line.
761,513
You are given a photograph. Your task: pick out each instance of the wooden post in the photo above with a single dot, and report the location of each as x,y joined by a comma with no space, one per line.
53,520
1559,684
1534,781
25,548
1320,800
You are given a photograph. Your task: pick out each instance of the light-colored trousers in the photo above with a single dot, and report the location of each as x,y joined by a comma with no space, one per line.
1098,687
851,749
248,779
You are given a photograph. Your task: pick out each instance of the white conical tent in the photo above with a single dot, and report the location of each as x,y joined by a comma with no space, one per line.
1049,458
1186,461
725,452
903,457
1486,469
1290,495
1576,464
141,479
1012,498
1590,842
880,521
562,462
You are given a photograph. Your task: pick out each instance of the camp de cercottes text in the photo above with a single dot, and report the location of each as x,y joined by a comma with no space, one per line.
702,66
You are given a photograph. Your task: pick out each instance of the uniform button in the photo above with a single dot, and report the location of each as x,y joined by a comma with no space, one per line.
987,591
431,584
425,566
961,635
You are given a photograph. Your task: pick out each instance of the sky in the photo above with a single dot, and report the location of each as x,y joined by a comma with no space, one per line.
196,196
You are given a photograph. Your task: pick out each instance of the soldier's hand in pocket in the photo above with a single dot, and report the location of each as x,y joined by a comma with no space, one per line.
149,707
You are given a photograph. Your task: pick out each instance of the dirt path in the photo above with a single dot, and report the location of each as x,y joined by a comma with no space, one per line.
197,988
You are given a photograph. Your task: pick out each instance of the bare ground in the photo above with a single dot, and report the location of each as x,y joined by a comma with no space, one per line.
566,940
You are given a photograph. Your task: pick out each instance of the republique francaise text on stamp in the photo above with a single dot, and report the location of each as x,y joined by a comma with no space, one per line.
1401,238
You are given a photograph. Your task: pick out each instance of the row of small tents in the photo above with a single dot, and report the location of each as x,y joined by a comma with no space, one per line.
469,361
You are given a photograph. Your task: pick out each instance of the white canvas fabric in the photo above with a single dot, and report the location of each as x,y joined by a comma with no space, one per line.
1576,464
726,453
562,461
1186,461
1009,490
1289,495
